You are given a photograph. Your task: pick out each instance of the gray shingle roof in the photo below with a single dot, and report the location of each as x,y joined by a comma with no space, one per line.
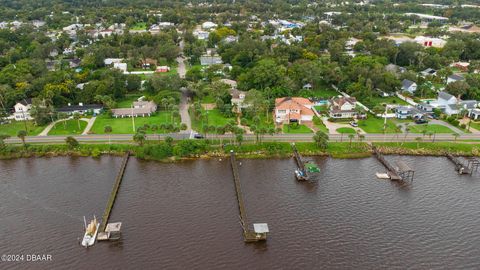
456,77
407,83
444,95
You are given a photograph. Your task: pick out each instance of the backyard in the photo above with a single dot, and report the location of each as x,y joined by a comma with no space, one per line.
125,126
127,101
376,100
139,26
12,128
68,127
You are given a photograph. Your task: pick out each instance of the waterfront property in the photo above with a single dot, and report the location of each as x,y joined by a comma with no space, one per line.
139,108
342,107
293,109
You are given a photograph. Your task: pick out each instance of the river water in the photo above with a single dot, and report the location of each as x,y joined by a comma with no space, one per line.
185,215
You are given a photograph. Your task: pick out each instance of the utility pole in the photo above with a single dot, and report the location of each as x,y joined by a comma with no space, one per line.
133,120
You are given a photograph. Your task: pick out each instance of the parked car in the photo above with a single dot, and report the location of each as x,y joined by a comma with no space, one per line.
421,121
353,124
198,136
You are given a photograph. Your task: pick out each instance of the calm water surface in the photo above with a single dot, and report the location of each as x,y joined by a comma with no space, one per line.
185,215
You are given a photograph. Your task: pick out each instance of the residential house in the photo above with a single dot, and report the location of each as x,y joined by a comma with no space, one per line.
162,69
201,35
342,107
140,108
428,72
208,60
474,114
146,63
74,63
293,109
307,86
409,86
109,61
238,99
209,25
81,109
120,66
426,107
451,105
403,112
454,78
22,110
395,69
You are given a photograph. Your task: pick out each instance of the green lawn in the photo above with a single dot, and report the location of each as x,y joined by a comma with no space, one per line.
296,129
139,26
475,125
322,109
215,118
324,93
375,125
124,125
346,130
319,124
68,127
208,99
12,128
264,121
414,128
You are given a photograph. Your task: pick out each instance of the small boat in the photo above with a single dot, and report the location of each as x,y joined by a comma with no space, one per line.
382,175
300,175
91,231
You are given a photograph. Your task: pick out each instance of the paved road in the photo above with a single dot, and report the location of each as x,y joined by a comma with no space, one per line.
183,108
250,137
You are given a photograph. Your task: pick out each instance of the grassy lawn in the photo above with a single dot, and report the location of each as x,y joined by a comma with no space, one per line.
139,26
68,127
319,124
296,129
208,99
475,125
375,125
346,130
215,118
430,128
124,125
324,93
323,109
264,121
127,101
12,128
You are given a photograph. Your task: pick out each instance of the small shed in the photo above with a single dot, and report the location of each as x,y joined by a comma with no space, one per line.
261,230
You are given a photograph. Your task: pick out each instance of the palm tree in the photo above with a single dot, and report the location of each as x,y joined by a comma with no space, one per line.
76,116
22,134
164,103
139,137
456,135
418,139
108,129
350,137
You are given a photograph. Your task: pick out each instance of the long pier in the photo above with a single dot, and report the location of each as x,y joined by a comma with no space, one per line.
249,235
300,163
113,194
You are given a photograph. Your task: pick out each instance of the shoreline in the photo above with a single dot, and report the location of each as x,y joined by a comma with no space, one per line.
164,152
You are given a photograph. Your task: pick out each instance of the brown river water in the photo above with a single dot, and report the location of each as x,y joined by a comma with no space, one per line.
185,215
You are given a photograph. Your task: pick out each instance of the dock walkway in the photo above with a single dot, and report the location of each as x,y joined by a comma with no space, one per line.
249,235
114,192
300,163
461,167
401,172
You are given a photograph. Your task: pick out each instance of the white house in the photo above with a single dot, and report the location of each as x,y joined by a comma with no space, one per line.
403,112
451,105
109,61
454,78
409,86
22,110
120,66
342,107
208,25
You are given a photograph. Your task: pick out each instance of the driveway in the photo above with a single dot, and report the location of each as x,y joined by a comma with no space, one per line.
332,127
89,121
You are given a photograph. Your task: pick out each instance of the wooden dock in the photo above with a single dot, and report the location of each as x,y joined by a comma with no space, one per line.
299,161
400,172
461,167
113,194
249,235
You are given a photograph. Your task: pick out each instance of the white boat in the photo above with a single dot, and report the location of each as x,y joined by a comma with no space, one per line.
91,232
382,175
